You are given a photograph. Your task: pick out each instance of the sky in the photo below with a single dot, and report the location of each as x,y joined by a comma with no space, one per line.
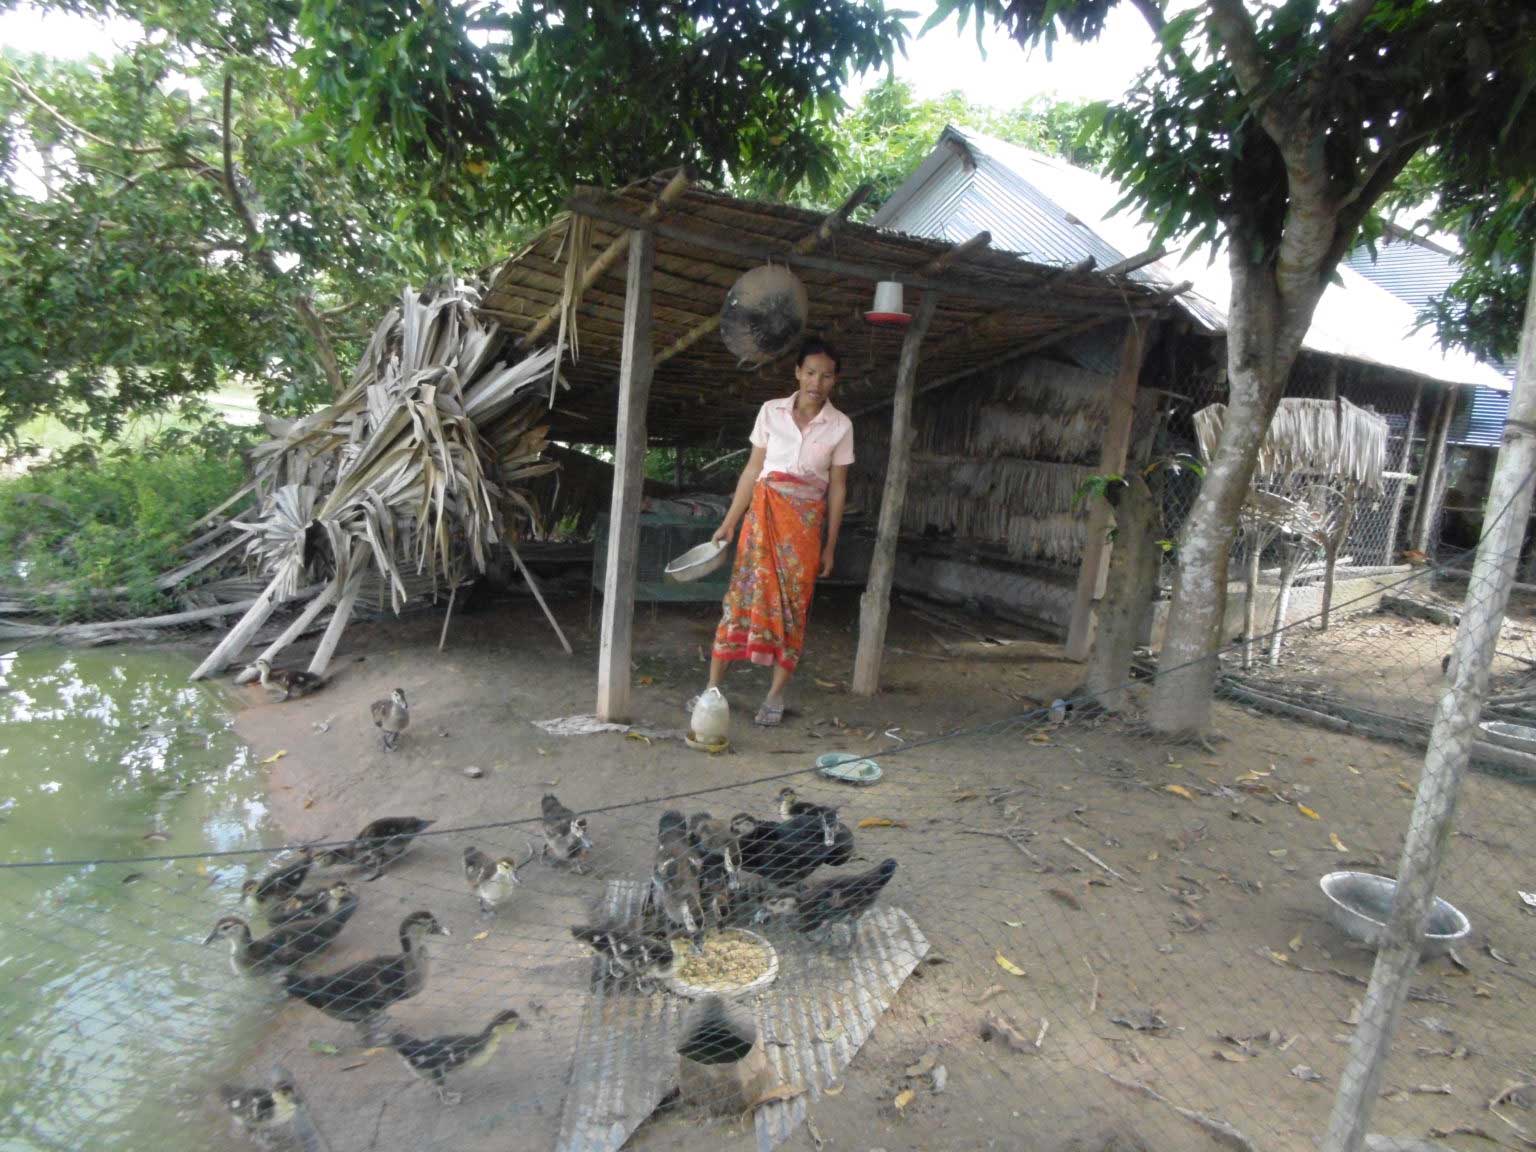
943,60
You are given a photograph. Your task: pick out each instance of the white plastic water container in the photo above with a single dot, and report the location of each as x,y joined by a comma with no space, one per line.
711,719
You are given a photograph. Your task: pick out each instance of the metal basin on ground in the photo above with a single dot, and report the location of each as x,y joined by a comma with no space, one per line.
1360,904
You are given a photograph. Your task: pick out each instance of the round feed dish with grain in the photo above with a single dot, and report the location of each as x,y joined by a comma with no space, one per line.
732,961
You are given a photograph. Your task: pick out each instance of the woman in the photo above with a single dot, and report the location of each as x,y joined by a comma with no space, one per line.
794,484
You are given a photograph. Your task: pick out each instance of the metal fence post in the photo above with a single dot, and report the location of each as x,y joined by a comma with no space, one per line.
1509,504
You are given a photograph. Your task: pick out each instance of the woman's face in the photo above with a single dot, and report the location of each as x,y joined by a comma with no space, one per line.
816,375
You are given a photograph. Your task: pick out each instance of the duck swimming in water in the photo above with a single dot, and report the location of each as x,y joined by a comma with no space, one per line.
360,993
435,1058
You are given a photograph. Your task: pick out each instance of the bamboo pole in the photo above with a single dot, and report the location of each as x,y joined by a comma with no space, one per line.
533,586
1405,458
339,618
300,623
875,604
1450,742
616,638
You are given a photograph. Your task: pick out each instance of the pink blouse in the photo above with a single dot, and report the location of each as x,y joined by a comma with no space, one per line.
826,440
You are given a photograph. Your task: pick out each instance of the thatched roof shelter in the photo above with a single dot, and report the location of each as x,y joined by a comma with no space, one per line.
1314,439
992,305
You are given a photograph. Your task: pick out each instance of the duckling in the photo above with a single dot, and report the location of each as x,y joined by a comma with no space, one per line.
278,883
714,845
675,890
391,717
433,1059
334,902
493,881
261,1110
753,903
287,683
790,806
840,901
379,844
628,953
565,834
278,950
360,992
788,851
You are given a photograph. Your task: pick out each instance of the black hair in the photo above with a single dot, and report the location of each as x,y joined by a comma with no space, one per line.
816,346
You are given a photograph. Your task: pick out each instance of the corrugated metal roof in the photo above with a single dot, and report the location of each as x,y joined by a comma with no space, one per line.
1411,272
1480,422
1044,207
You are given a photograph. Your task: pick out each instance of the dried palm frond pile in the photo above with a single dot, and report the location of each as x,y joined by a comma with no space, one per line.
413,473
1313,438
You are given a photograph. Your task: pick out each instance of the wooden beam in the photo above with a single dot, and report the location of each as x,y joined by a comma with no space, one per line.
696,237
613,672
1404,459
875,604
1126,267
1112,455
609,256
1427,499
808,243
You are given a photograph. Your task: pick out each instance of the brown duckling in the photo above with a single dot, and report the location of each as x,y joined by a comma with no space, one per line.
790,806
281,948
378,845
316,905
434,1059
628,953
278,883
565,834
492,881
391,717
287,683
360,992
753,903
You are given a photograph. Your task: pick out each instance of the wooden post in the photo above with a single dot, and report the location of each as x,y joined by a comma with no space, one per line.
1445,763
875,604
628,476
1117,441
346,601
1427,501
1128,591
1404,459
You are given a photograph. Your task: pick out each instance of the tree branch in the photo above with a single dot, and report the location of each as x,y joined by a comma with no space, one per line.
1234,29
1152,13
1348,21
27,91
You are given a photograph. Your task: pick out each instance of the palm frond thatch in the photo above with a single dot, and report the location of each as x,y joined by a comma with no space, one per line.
1317,438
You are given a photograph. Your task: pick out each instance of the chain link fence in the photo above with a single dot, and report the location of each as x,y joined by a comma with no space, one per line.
1046,930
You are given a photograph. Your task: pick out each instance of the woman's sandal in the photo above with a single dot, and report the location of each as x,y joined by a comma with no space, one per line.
769,716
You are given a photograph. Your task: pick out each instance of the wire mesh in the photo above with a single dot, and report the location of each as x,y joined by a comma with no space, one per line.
1049,929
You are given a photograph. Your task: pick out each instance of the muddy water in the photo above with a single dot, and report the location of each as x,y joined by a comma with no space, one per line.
114,1022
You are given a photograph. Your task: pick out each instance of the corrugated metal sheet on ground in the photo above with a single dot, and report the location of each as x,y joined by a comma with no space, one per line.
815,1017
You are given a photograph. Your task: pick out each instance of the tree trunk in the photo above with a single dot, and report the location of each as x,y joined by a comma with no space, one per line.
1263,338
1132,573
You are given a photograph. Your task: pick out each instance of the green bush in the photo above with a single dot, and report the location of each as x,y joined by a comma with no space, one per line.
89,533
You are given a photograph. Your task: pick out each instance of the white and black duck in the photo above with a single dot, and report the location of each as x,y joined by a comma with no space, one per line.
433,1059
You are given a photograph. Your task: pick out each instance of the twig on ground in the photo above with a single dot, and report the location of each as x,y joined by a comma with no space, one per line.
1223,1132
1080,850
1008,836
1093,997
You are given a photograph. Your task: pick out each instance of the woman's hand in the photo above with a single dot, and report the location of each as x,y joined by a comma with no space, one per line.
724,533
828,558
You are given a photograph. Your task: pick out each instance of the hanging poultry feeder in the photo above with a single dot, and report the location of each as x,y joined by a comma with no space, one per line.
763,314
887,312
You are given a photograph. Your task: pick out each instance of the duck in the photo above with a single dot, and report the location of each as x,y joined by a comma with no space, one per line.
332,900
379,844
675,891
753,903
260,1110
391,717
280,949
790,806
565,834
788,851
714,845
278,883
492,881
629,953
842,900
360,992
433,1059
287,683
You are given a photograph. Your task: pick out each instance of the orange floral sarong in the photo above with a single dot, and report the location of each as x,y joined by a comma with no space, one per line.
777,559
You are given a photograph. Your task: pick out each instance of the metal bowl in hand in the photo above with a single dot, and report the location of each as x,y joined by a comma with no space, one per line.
698,562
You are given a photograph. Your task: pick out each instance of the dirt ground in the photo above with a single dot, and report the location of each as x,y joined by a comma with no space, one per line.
1209,943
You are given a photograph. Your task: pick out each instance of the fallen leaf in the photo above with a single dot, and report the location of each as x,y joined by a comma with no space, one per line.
1433,1090
1462,1130
1008,965
324,1048
833,1089
1065,897
1308,1075
1354,1013
1145,1020
480,935
997,1027
132,876
156,837
353,1067
1014,923
903,1098
1294,944
964,796
1497,955
829,685
1279,853
202,868
1353,770
777,1094
1405,786
276,756
1279,958
1179,790
1231,1057
991,991
1307,812
640,736
1338,845
881,822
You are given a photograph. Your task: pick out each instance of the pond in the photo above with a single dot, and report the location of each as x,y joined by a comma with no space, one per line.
114,1022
